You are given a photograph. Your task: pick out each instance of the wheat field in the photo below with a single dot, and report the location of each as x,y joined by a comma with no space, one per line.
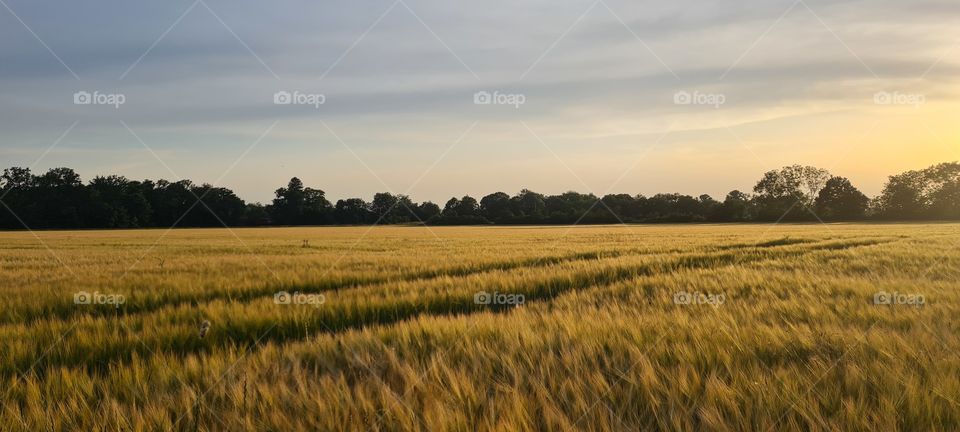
692,327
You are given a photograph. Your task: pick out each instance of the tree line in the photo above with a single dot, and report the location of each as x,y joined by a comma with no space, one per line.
60,199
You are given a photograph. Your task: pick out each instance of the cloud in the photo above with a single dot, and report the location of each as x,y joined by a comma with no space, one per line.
609,71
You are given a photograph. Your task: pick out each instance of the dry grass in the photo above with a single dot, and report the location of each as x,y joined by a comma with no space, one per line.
400,344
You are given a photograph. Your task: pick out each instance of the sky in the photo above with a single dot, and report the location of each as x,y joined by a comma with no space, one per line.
439,99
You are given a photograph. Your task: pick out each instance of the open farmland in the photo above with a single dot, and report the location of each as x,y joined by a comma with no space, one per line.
696,327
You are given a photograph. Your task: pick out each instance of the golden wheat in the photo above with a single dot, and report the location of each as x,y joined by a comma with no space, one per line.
696,327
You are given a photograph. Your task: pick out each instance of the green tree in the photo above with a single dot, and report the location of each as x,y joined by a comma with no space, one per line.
927,193
426,211
528,205
840,200
944,190
451,208
945,201
60,198
288,206
736,207
116,202
218,207
789,193
617,207
468,206
353,211
496,207
317,210
569,207
391,209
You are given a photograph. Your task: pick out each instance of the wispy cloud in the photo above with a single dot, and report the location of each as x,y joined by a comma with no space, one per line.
393,72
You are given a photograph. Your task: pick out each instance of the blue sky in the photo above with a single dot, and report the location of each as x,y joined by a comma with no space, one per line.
603,83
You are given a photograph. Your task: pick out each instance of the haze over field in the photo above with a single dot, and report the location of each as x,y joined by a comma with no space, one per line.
864,89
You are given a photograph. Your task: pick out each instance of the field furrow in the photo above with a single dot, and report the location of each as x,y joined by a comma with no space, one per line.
240,322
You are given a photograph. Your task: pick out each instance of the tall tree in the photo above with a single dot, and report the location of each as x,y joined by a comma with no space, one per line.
218,206
617,207
288,206
945,201
943,190
116,202
736,207
496,207
60,198
317,210
17,186
790,192
451,208
391,208
172,203
840,200
528,205
569,207
426,211
353,211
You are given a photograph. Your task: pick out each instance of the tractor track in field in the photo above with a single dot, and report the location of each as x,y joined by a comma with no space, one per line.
100,358
67,309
